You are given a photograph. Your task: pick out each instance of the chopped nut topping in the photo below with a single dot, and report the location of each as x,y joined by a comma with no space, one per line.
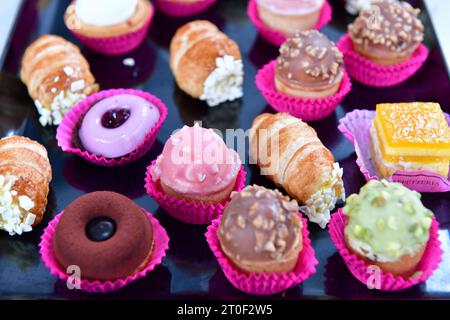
240,222
373,26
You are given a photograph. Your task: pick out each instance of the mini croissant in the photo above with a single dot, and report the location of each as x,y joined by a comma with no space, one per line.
25,175
57,77
206,64
289,152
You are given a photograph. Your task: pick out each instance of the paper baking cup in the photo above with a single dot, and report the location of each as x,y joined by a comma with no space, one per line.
113,46
70,122
374,75
275,37
388,282
355,126
192,212
262,283
303,108
180,9
161,244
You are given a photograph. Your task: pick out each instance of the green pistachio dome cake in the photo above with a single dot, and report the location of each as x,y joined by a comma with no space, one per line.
386,221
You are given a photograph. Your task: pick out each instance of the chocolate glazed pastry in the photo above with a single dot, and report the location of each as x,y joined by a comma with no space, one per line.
309,66
260,231
104,233
388,33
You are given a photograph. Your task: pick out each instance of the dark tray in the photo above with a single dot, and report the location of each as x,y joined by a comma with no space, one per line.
190,270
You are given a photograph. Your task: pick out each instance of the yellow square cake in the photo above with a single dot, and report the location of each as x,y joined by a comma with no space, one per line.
410,137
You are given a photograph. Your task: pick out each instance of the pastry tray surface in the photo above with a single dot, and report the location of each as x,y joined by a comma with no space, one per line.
190,269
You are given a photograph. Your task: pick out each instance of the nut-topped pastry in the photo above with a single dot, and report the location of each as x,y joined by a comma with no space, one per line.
388,226
309,65
260,231
388,32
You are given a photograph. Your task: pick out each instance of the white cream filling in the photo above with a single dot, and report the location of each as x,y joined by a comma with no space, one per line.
61,104
15,215
355,6
319,206
225,82
104,13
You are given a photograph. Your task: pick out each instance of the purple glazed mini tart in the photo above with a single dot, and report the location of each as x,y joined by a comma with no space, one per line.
113,127
117,125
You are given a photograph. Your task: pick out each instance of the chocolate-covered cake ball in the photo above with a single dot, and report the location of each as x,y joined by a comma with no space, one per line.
309,65
388,32
260,231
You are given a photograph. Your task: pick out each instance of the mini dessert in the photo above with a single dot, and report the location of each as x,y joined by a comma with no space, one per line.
110,21
290,16
388,226
388,32
260,231
309,66
183,8
290,154
25,175
106,234
196,165
410,137
206,64
117,125
355,6
57,77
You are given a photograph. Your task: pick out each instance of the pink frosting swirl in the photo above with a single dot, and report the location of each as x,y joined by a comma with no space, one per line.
196,161
292,7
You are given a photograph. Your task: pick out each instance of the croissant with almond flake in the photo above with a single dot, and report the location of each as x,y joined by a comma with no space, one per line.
289,153
25,175
206,64
57,77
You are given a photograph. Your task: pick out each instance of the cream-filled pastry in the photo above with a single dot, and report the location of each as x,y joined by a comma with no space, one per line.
206,64
57,77
25,175
289,153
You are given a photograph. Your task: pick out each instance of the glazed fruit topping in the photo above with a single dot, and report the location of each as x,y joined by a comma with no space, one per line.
115,118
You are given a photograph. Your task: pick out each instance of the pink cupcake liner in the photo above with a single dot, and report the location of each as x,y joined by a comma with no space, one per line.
275,37
355,126
112,46
161,245
192,212
70,122
265,284
175,9
371,74
388,282
303,108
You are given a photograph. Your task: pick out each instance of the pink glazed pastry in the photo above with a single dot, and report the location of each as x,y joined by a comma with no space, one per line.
196,165
118,125
290,16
